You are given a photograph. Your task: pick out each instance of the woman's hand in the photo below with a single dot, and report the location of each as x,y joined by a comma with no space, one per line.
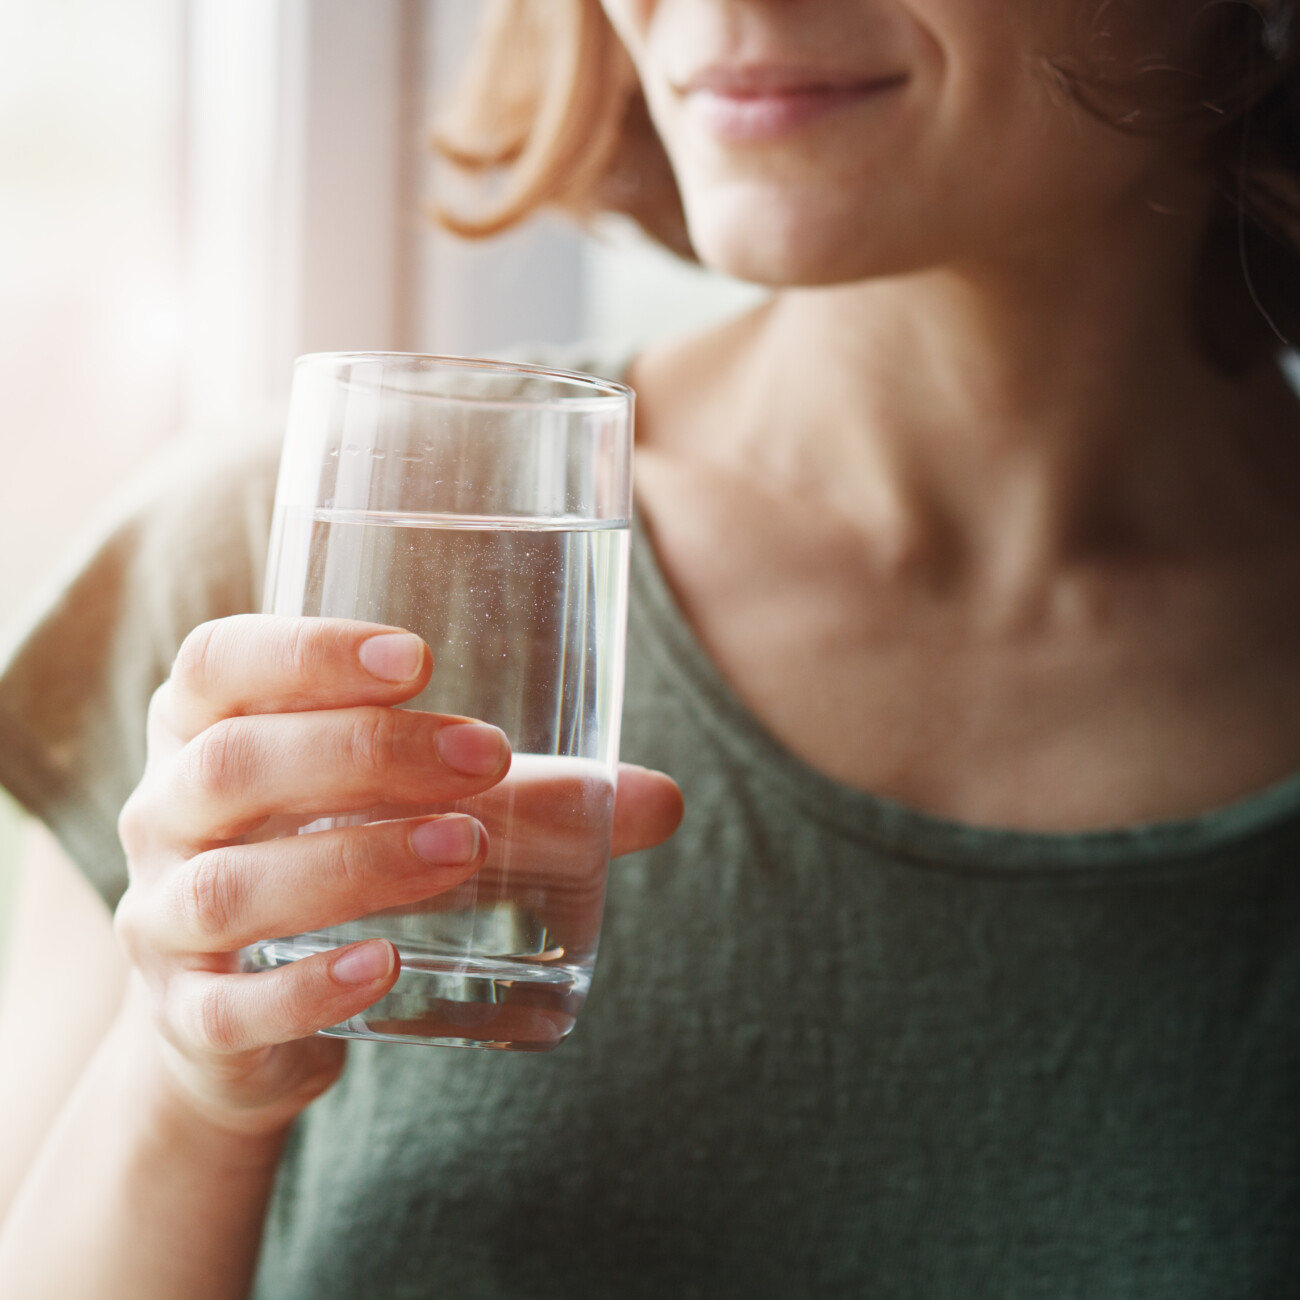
266,716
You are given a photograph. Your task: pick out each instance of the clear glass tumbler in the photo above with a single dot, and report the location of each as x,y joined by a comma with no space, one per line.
485,506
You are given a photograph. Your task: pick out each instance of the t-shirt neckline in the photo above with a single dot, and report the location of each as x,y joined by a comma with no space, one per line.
906,831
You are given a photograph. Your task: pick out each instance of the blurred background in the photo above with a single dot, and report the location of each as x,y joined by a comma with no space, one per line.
194,192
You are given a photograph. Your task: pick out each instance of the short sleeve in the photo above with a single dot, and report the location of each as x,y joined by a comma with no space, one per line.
184,544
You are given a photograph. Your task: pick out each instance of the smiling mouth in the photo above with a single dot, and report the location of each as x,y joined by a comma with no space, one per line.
754,105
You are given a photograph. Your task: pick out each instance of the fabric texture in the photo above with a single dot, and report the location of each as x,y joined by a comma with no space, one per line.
834,1047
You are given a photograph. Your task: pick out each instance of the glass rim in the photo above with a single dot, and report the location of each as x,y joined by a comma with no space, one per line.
602,395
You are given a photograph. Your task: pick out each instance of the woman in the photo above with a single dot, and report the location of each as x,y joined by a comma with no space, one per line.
961,615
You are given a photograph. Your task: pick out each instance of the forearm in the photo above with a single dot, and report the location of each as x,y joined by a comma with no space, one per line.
134,1194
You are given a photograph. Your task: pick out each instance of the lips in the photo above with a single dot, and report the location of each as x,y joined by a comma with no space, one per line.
762,102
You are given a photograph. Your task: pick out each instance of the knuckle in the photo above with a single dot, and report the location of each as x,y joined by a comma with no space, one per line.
158,716
214,1021
372,740
198,660
133,824
211,897
301,653
129,924
355,867
218,759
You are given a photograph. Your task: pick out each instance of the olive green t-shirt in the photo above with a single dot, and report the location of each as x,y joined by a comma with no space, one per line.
833,1047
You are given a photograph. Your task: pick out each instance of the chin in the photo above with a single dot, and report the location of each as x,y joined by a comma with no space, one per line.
770,240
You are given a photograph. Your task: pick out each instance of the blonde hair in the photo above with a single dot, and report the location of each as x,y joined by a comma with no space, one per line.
549,106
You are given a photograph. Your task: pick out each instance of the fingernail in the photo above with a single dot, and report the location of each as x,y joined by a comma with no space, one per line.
392,656
364,963
472,748
449,841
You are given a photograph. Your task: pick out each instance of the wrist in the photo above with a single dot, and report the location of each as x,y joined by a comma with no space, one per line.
138,1190
173,1113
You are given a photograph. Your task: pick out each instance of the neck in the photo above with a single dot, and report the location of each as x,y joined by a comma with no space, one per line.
1005,420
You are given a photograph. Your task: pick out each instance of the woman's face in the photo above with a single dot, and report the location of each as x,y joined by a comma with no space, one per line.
823,141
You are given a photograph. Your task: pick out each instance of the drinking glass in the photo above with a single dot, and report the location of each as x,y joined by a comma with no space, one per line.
484,506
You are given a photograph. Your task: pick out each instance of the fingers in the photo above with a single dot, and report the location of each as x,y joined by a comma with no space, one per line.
647,811
258,663
229,897
206,1014
239,771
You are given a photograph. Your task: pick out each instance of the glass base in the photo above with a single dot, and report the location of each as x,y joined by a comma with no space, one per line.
505,1006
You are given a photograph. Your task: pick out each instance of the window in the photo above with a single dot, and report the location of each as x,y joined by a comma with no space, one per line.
90,97
193,192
